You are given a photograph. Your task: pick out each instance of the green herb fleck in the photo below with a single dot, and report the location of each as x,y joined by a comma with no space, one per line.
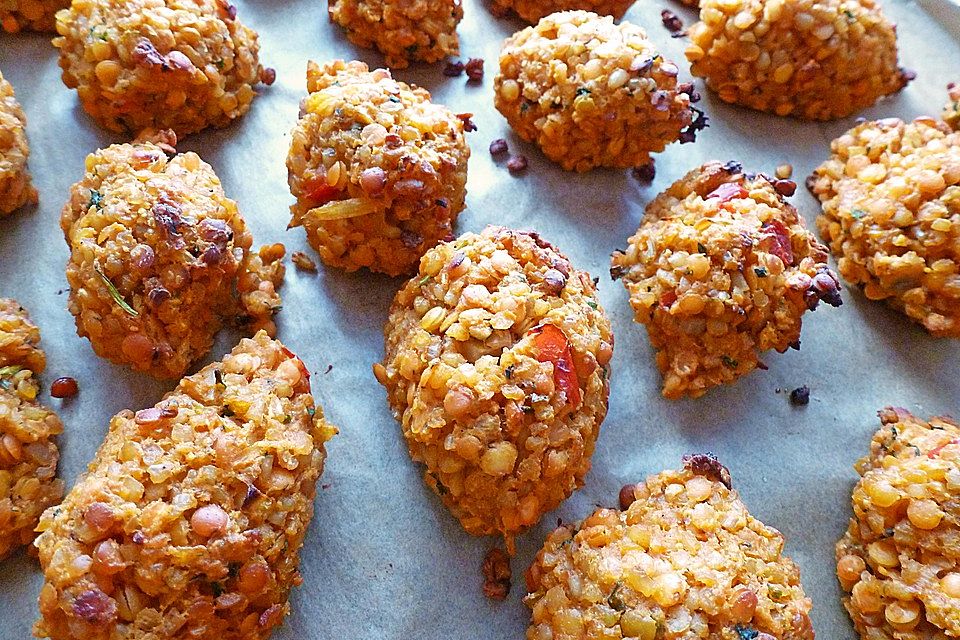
583,91
760,271
508,372
701,248
115,294
614,599
8,372
775,592
424,280
592,304
311,411
287,418
850,16
858,213
96,199
746,633
220,64
729,362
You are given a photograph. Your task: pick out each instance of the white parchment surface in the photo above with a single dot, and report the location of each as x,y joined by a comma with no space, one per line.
383,558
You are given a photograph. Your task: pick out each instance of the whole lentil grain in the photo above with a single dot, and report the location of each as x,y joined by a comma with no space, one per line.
589,92
720,270
191,526
378,170
159,257
28,453
811,59
496,366
897,562
402,30
891,215
682,559
16,188
158,64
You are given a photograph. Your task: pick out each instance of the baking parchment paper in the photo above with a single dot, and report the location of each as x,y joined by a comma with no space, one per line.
384,558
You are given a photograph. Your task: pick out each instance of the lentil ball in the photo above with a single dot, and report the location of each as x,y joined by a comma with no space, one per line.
378,170
29,15
534,10
158,64
160,257
403,30
891,215
28,453
190,525
898,561
721,269
16,188
496,366
811,59
685,559
589,92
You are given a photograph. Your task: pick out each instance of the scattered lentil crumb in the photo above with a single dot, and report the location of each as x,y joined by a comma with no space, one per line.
268,76
303,262
64,388
498,147
784,171
626,498
671,21
453,69
467,120
645,173
517,164
474,69
800,396
496,574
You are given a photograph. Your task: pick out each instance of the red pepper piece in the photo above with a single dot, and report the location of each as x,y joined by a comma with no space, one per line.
728,191
552,346
780,244
317,189
934,453
668,298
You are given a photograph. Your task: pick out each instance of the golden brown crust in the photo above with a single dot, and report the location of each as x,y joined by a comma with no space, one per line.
28,453
589,92
496,367
811,59
721,269
378,170
158,64
533,10
189,521
29,15
684,560
899,561
891,215
403,30
159,257
16,188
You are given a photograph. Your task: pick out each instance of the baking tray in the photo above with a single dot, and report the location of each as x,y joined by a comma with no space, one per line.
383,558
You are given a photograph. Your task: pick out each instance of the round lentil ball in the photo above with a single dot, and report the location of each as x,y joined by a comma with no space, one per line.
721,269
378,170
497,367
29,15
891,215
190,519
402,30
682,559
16,188
533,10
159,64
811,59
898,563
28,453
159,257
592,93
